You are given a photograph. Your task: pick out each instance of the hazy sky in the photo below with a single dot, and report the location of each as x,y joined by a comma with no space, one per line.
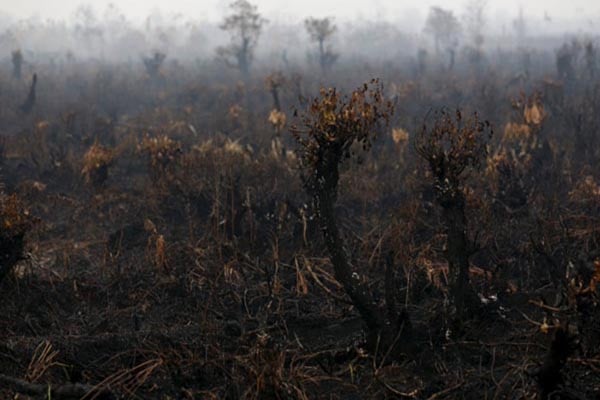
286,10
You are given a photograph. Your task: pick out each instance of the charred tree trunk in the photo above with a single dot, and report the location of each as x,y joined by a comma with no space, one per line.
334,125
458,251
17,62
275,94
386,335
325,202
243,59
450,146
27,106
322,61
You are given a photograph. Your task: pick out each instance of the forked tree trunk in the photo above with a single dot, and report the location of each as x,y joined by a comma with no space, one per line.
383,334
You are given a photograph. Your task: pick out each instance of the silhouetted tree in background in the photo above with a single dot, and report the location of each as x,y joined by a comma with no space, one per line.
88,28
320,30
444,27
567,58
421,61
153,64
474,19
591,55
245,25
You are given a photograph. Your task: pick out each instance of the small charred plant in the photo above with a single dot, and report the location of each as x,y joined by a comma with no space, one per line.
332,126
452,146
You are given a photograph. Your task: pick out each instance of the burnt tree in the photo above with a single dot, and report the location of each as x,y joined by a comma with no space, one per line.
331,127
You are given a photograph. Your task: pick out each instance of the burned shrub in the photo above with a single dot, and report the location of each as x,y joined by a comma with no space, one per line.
162,152
16,222
511,167
96,163
452,146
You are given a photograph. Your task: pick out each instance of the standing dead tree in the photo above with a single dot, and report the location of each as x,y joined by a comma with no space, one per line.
274,82
591,59
331,127
568,57
17,62
245,25
451,146
320,30
277,117
27,106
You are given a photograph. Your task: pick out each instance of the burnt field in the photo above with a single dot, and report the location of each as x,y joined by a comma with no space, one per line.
421,228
